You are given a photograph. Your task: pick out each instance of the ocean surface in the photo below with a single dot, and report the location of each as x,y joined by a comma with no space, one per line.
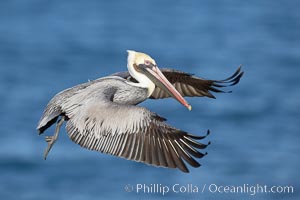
48,46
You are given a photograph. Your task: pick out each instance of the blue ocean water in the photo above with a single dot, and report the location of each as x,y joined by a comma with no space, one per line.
47,46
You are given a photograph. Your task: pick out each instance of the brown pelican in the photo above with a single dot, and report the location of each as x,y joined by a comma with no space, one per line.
103,115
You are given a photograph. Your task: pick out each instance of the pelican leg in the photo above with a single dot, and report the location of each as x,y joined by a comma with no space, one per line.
51,139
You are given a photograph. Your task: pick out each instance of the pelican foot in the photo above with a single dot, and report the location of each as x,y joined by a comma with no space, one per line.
50,140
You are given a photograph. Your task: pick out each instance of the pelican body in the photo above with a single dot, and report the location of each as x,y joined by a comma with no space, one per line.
103,115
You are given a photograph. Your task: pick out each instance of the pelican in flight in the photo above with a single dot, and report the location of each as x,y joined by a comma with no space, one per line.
103,115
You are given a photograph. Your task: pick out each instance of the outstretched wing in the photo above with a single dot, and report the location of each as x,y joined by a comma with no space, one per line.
190,85
133,133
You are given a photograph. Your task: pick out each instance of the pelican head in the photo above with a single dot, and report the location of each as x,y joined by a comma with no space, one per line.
144,69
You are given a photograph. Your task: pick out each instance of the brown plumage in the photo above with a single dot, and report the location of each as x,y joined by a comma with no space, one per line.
103,115
188,84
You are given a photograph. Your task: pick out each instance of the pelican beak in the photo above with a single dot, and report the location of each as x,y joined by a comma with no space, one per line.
157,77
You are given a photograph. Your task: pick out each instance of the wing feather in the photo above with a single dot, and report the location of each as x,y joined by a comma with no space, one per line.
140,135
189,85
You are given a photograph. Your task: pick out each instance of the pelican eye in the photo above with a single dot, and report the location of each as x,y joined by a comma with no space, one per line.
147,62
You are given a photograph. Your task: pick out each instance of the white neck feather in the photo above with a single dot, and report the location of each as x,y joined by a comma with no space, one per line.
143,81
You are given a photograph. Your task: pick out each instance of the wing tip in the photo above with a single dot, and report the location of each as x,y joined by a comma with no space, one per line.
230,81
198,137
